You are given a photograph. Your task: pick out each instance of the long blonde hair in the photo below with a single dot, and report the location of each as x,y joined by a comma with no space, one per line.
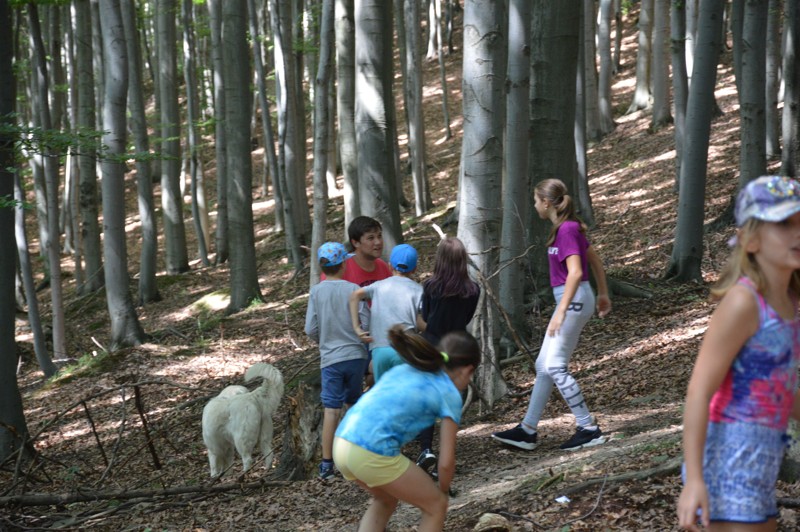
741,263
555,191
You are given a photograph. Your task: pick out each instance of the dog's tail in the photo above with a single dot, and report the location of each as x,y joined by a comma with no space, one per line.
272,383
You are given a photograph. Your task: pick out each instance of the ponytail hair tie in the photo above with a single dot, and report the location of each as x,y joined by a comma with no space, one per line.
445,357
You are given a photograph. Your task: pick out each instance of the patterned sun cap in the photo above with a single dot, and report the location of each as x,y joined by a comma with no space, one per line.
769,198
334,252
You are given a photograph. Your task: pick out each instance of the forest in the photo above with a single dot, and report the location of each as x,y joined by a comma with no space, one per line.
169,168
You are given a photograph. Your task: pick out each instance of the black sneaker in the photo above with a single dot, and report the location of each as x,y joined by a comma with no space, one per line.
326,471
584,438
517,437
426,460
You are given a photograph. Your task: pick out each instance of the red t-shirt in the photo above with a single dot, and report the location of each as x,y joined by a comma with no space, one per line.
356,274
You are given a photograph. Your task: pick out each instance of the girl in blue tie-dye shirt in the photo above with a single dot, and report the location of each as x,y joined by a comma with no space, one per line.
409,398
743,388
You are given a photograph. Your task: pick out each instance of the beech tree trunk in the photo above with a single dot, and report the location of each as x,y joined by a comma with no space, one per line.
416,123
321,118
752,91
791,95
641,94
148,288
125,328
376,171
680,80
244,276
660,72
606,67
344,13
171,197
687,252
13,428
220,142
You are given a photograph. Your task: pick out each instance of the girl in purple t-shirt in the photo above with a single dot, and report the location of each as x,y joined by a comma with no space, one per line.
569,256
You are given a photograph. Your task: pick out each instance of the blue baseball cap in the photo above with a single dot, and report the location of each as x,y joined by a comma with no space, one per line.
333,252
768,198
404,258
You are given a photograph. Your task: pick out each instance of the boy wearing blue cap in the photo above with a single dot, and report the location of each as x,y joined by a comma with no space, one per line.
343,355
397,299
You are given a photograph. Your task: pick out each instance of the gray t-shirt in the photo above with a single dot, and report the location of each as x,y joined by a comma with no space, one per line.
394,300
328,322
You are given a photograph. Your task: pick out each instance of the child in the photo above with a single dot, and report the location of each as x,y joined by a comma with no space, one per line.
743,386
449,300
394,300
569,255
366,266
343,356
369,438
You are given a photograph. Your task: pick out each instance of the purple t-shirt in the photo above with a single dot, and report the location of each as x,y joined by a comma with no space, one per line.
569,241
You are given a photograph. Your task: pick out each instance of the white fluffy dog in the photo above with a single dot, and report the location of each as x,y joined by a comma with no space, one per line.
240,419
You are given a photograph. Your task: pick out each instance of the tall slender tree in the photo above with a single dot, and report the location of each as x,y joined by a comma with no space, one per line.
125,327
641,94
220,141
321,118
344,13
148,288
376,171
687,252
87,155
416,124
791,99
51,174
752,91
479,219
177,260
516,185
244,277
13,428
680,79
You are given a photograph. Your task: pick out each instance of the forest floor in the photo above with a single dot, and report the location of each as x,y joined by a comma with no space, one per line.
633,367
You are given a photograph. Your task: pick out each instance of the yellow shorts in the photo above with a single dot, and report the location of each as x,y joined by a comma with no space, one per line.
372,469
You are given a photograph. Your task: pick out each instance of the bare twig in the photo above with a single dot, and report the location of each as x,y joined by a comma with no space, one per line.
118,442
94,431
140,408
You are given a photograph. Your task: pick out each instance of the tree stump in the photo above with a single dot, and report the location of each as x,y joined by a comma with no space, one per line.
302,435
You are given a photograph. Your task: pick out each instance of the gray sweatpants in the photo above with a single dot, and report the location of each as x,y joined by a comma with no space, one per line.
553,360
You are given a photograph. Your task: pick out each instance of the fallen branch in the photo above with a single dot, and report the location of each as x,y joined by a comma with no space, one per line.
47,499
669,467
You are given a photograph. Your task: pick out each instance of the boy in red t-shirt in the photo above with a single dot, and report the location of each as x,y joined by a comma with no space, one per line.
365,266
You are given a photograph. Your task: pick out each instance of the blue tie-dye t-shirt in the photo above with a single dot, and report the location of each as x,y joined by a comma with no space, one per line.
392,413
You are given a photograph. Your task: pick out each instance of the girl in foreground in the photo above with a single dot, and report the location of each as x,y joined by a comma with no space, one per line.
369,438
743,386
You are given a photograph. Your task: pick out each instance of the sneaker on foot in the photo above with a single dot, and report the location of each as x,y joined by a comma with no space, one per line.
426,460
517,437
584,438
326,470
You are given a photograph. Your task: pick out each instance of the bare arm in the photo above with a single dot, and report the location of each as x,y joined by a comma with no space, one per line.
355,299
733,322
574,277
596,265
447,453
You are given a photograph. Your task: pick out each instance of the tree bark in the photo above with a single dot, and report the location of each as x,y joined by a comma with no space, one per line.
606,67
321,119
171,197
687,252
87,154
199,206
641,94
125,328
376,172
479,220
244,277
752,91
51,176
416,123
345,82
516,184
148,288
680,80
773,65
791,95
660,72
589,75
220,142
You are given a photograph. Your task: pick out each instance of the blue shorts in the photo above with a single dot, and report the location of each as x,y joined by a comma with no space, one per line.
384,359
342,382
740,469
